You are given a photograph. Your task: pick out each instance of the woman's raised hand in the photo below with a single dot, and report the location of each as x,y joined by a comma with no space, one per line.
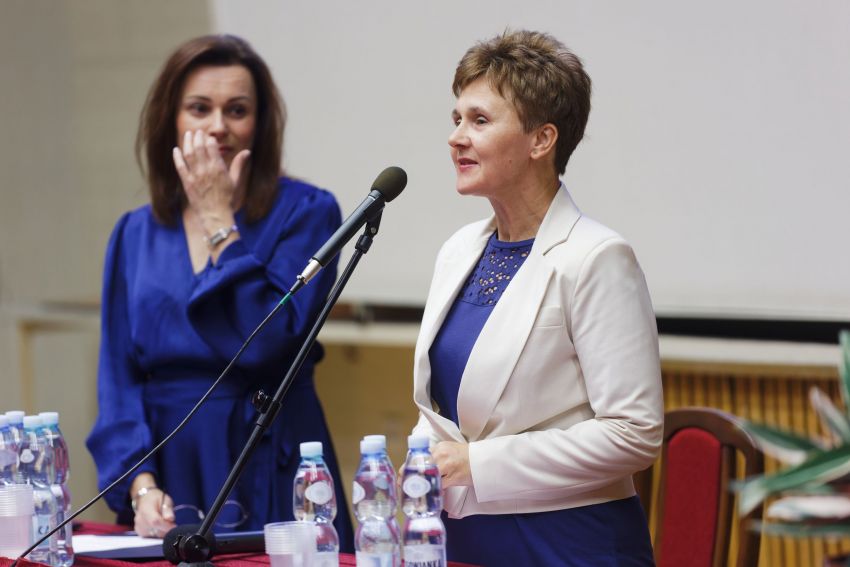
211,187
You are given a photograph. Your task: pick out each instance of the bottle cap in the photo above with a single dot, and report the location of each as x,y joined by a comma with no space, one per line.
311,449
31,421
49,417
4,421
382,439
15,416
370,446
418,442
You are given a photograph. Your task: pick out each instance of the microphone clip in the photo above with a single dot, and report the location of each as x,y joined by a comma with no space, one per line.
371,230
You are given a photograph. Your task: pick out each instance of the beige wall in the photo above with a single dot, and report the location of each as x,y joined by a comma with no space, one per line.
74,76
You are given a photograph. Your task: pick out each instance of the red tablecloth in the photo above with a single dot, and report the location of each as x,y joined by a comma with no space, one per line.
241,560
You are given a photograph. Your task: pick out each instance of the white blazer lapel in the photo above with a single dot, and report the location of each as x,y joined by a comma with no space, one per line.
494,356
504,336
449,275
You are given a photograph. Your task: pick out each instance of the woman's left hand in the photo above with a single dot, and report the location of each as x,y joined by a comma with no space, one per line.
453,461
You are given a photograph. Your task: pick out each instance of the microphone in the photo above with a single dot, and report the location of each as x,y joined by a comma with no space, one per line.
216,544
385,188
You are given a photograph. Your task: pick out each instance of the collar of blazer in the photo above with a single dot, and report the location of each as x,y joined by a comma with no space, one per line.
494,355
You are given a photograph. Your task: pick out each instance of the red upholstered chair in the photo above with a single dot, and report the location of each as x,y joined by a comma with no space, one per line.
695,508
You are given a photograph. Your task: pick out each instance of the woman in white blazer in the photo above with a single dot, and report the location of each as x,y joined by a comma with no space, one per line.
536,370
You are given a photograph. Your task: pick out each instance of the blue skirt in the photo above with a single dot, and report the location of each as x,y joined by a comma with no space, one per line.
611,534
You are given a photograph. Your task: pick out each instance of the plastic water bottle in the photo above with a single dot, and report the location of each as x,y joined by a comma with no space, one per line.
16,426
314,500
424,532
58,478
8,453
376,541
35,463
381,440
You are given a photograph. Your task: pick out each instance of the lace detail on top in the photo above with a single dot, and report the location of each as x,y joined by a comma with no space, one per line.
497,267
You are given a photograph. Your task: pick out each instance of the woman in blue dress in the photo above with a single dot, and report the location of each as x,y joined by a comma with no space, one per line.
186,280
536,371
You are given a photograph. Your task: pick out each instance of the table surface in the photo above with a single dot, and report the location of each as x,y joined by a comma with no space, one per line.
237,560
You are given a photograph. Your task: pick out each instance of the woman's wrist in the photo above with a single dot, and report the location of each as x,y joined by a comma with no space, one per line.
140,493
141,485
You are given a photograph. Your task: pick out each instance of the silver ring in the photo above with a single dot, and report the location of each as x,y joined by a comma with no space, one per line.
154,532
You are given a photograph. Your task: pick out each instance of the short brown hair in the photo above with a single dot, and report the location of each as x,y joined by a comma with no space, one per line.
543,79
157,133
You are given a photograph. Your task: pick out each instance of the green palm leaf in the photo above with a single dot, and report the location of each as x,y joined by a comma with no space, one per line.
833,419
802,529
844,367
822,467
785,446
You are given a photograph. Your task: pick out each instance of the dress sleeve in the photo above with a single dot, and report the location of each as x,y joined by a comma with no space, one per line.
615,338
233,296
120,436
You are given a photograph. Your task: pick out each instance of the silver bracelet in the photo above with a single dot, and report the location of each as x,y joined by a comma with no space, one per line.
220,235
139,493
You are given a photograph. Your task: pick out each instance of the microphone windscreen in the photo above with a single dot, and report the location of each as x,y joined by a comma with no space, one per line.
390,182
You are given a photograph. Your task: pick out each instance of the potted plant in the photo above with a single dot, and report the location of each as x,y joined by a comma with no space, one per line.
813,491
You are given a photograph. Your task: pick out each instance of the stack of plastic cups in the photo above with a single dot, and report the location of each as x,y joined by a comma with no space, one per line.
16,512
290,544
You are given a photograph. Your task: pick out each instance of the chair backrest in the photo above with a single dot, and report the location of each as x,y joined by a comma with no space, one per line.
695,506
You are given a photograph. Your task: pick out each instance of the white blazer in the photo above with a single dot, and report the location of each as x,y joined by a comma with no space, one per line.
560,400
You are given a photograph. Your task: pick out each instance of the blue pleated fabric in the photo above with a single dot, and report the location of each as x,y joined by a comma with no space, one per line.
167,333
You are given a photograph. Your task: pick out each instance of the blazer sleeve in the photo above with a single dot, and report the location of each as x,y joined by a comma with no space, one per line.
120,436
614,334
233,296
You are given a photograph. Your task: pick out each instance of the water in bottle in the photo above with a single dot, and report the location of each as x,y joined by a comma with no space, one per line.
8,453
376,540
314,500
58,477
35,464
424,533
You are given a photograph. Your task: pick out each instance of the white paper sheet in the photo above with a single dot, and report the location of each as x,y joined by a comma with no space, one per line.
93,543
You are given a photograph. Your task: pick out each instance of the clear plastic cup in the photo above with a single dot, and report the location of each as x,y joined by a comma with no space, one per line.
16,510
291,544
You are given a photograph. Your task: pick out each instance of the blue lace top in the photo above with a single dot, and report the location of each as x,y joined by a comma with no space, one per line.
448,354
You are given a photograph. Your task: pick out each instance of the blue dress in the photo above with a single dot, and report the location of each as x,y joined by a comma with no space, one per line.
167,333
610,534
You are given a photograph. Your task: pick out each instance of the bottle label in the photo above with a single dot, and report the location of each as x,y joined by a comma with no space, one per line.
319,492
381,481
8,457
424,555
366,559
357,493
416,486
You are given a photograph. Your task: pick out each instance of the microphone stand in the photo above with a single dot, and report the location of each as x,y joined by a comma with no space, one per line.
195,550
